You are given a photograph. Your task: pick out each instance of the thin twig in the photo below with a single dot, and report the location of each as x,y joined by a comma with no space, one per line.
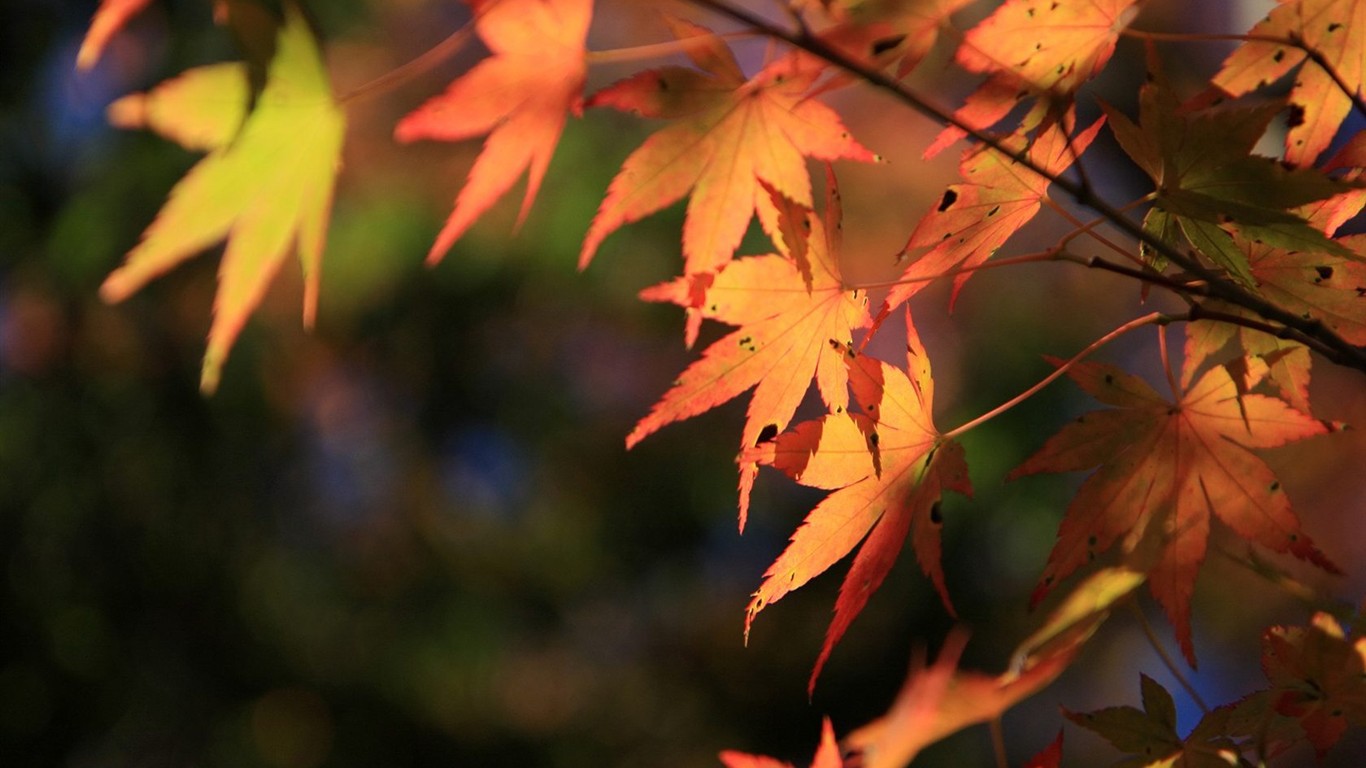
1167,660
998,743
421,65
1148,319
1338,350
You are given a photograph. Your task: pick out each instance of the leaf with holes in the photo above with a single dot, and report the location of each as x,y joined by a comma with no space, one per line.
974,218
520,96
1035,48
1318,686
890,467
795,318
268,190
1336,30
878,32
1165,468
728,135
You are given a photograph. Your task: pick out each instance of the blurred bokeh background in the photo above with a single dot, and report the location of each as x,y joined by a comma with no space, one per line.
413,536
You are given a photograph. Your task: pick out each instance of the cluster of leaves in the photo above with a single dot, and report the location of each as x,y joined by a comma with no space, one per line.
1249,243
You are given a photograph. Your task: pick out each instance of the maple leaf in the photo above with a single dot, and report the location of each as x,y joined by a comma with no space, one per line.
1164,469
791,311
1209,185
268,191
888,467
1031,47
1336,30
827,754
201,109
941,701
728,134
1150,734
1320,286
520,96
111,16
1318,685
974,218
879,31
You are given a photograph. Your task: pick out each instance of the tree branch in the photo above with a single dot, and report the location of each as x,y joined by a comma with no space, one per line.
1331,346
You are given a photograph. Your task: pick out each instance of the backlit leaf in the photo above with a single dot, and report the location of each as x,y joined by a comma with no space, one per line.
890,467
520,96
974,218
1336,29
794,324
109,19
1165,468
1035,48
728,134
268,191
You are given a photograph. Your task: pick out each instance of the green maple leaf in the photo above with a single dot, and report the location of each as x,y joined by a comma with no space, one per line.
266,187
1209,184
1149,735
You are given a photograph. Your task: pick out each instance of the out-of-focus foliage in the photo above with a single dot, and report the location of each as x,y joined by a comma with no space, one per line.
413,537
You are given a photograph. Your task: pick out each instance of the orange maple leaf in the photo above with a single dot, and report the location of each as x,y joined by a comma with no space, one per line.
1336,29
939,701
728,134
827,754
880,31
791,309
267,188
1033,48
520,96
975,218
1164,469
890,466
109,19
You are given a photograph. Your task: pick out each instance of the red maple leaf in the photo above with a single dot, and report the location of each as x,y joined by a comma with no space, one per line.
1165,468
728,134
890,467
793,309
520,96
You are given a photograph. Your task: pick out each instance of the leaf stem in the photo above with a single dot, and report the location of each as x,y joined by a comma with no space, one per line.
653,50
998,742
414,68
1167,363
1167,660
1148,319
